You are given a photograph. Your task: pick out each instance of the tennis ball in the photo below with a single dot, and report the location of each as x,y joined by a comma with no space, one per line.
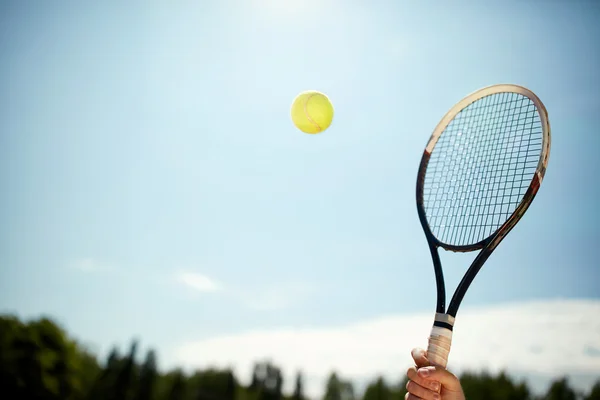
312,112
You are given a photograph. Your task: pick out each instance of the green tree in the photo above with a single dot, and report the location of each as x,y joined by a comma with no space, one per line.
267,381
231,385
38,360
177,390
521,392
378,390
214,384
400,391
560,390
298,388
147,378
88,370
484,386
333,388
12,353
348,391
594,392
338,389
103,387
124,386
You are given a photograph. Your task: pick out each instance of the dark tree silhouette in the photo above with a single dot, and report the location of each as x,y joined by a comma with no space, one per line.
147,378
298,387
560,390
39,361
594,392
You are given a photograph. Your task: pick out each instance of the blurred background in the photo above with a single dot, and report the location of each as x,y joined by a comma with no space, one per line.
166,232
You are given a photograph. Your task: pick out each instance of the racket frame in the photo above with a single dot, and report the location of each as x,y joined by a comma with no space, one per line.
444,319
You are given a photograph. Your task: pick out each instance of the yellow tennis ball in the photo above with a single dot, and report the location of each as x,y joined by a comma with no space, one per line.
312,112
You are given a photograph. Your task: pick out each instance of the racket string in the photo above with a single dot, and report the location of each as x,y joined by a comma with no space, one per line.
481,167
498,145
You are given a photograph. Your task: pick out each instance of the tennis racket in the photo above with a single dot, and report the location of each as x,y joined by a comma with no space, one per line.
480,171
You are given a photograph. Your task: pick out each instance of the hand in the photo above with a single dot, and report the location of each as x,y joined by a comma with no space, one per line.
424,381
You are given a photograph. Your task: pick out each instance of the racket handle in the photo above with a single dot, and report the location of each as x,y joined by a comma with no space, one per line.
440,341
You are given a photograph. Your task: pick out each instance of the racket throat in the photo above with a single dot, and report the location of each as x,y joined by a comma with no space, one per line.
440,340
439,277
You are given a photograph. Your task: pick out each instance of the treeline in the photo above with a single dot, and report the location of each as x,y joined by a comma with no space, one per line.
38,360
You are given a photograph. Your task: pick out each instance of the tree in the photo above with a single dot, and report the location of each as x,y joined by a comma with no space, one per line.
88,370
337,389
348,391
484,386
230,386
255,383
333,389
15,356
560,390
177,390
126,376
214,384
400,391
298,389
103,386
595,392
39,360
378,390
267,381
147,379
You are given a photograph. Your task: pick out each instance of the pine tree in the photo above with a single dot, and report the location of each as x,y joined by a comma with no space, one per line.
560,390
178,388
298,389
147,379
594,392
126,379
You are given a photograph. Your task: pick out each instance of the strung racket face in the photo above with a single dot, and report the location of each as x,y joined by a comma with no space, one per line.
483,166
480,171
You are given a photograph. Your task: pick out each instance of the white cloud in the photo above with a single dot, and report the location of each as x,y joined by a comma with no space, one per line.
198,282
549,338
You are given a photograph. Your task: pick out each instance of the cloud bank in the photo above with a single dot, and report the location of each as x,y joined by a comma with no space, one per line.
542,339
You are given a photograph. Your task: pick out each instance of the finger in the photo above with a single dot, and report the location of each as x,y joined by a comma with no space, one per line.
420,357
420,392
430,384
447,379
410,396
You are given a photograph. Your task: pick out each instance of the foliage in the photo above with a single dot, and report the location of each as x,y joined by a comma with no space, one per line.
39,361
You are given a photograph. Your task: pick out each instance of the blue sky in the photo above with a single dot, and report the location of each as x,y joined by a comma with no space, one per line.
153,184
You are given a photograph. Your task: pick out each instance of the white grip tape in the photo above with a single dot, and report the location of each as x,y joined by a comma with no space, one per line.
438,350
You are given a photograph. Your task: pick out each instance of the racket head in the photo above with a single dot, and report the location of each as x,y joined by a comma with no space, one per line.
482,167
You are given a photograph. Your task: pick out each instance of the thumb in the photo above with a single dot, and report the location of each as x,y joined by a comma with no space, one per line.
448,380
420,357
